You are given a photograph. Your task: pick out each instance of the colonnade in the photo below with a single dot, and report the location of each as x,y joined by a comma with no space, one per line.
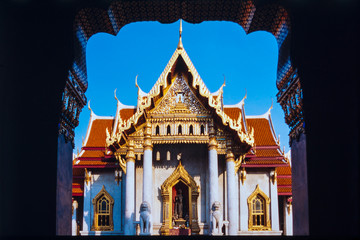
232,200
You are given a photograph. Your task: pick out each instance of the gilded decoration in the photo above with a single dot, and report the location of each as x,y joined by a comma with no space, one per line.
238,163
242,175
103,205
179,97
87,176
179,174
130,155
172,100
273,176
258,194
122,162
147,139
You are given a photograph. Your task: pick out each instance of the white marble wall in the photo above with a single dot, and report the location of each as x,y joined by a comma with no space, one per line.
261,178
100,178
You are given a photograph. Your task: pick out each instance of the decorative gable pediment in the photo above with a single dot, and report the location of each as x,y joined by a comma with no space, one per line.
180,99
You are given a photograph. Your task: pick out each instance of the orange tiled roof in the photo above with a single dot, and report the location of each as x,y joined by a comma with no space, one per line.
94,163
284,181
232,112
264,162
77,189
267,153
287,190
127,113
262,131
97,136
92,154
286,170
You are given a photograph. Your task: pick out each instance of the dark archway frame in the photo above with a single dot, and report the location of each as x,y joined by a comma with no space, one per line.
251,15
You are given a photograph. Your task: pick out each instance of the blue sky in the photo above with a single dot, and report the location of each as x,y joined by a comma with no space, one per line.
249,63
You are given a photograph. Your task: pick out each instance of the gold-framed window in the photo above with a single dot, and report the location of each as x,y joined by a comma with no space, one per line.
259,204
103,205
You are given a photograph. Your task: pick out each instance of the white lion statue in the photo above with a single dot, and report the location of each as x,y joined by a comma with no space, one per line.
216,219
145,218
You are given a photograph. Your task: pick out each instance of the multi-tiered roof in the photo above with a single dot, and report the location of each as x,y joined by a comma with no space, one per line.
255,133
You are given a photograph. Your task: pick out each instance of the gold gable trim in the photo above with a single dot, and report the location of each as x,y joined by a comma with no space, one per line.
144,102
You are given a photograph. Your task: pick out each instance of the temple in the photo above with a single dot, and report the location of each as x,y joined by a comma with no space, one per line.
181,162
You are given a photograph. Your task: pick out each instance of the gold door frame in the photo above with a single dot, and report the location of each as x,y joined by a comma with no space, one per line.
179,174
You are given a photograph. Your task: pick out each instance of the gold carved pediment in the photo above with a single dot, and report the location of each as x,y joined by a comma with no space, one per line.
179,99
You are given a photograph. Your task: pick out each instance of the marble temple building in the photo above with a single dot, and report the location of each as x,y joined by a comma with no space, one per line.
181,162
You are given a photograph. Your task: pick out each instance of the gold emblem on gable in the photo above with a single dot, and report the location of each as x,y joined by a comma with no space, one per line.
180,99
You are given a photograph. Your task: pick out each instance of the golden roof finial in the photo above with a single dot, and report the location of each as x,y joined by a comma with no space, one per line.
180,46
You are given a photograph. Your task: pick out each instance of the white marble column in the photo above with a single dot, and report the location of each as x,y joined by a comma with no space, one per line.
73,220
274,206
213,171
129,228
87,203
213,174
231,193
288,217
147,166
244,212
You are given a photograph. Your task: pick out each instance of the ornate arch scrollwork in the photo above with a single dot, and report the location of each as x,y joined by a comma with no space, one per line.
179,174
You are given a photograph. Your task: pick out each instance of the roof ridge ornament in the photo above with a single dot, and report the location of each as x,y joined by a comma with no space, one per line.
180,45
136,85
115,96
92,114
268,113
89,106
245,95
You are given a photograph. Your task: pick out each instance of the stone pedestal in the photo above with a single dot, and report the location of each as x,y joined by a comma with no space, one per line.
180,232
179,222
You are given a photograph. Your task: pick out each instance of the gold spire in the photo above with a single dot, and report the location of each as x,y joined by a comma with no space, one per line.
180,46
